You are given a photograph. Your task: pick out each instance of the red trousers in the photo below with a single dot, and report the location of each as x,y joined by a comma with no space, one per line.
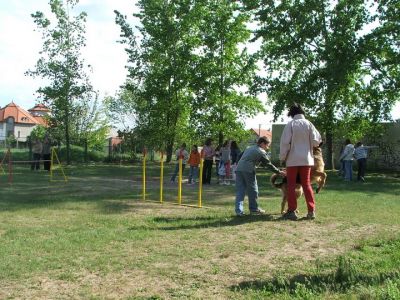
304,172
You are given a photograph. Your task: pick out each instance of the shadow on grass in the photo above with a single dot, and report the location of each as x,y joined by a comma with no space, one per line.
341,280
184,223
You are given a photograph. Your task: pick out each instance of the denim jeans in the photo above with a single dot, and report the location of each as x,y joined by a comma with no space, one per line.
246,183
362,165
193,173
176,171
348,170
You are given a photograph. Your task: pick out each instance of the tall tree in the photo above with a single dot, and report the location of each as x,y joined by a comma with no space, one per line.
159,67
224,70
317,52
61,64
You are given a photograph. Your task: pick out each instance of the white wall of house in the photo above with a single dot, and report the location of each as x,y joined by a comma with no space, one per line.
22,131
2,131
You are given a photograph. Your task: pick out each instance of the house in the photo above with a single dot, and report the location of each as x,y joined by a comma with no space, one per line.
256,133
16,121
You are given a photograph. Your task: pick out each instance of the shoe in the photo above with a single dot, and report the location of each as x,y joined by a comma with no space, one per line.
259,211
290,215
310,215
241,214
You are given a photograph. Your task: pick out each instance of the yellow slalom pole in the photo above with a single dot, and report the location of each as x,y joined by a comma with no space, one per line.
51,164
144,175
161,177
180,181
201,181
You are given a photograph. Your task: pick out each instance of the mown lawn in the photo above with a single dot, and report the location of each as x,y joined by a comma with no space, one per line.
94,238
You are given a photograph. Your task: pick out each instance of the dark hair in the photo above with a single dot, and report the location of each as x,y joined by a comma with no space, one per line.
358,144
208,142
347,141
183,145
234,145
295,109
264,140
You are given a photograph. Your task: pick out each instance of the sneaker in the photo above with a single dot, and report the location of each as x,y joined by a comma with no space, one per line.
290,215
310,215
241,214
259,211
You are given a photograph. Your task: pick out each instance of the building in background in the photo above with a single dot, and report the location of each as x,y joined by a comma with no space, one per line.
16,121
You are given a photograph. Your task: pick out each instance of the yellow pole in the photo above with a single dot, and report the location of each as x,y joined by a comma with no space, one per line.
51,164
180,181
201,181
144,175
162,177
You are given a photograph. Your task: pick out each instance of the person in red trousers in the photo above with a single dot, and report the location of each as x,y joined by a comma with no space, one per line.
296,152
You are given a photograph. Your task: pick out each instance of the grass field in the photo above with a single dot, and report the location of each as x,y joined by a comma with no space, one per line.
94,238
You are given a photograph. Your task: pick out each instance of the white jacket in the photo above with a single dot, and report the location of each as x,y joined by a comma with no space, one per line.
298,138
347,152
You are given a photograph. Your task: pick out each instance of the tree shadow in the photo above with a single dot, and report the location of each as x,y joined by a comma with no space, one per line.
320,283
184,223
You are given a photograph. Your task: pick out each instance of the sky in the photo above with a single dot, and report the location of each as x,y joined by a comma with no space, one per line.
20,45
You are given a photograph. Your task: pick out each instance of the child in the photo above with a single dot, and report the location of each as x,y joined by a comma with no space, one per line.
225,163
194,161
180,153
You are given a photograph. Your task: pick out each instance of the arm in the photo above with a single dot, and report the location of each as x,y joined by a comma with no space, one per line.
286,138
265,162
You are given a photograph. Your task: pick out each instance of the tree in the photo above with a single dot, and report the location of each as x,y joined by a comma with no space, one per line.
318,53
61,64
223,68
159,68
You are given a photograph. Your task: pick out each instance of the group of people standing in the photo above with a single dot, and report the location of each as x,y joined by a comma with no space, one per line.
41,150
350,152
225,159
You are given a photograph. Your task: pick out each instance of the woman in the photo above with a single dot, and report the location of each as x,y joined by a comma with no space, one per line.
296,151
208,155
347,158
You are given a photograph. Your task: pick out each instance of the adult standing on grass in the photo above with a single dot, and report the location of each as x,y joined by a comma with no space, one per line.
46,151
37,153
296,151
208,155
347,157
246,181
360,154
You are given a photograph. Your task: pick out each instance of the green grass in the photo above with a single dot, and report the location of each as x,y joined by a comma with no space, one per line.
94,238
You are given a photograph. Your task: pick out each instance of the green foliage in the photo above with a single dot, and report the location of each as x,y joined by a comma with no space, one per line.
320,54
38,133
61,64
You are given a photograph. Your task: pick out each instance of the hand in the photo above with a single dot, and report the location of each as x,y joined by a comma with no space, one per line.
282,173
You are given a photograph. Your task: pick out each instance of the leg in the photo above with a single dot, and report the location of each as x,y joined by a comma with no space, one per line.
190,174
307,189
175,173
195,173
252,191
291,173
240,192
362,167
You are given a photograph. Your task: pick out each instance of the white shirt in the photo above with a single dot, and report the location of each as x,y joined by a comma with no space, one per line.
298,138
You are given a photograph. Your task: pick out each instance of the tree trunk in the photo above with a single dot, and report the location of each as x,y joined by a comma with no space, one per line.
169,150
67,138
220,137
329,150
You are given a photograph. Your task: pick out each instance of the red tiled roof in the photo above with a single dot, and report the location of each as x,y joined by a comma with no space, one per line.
39,107
19,114
262,132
